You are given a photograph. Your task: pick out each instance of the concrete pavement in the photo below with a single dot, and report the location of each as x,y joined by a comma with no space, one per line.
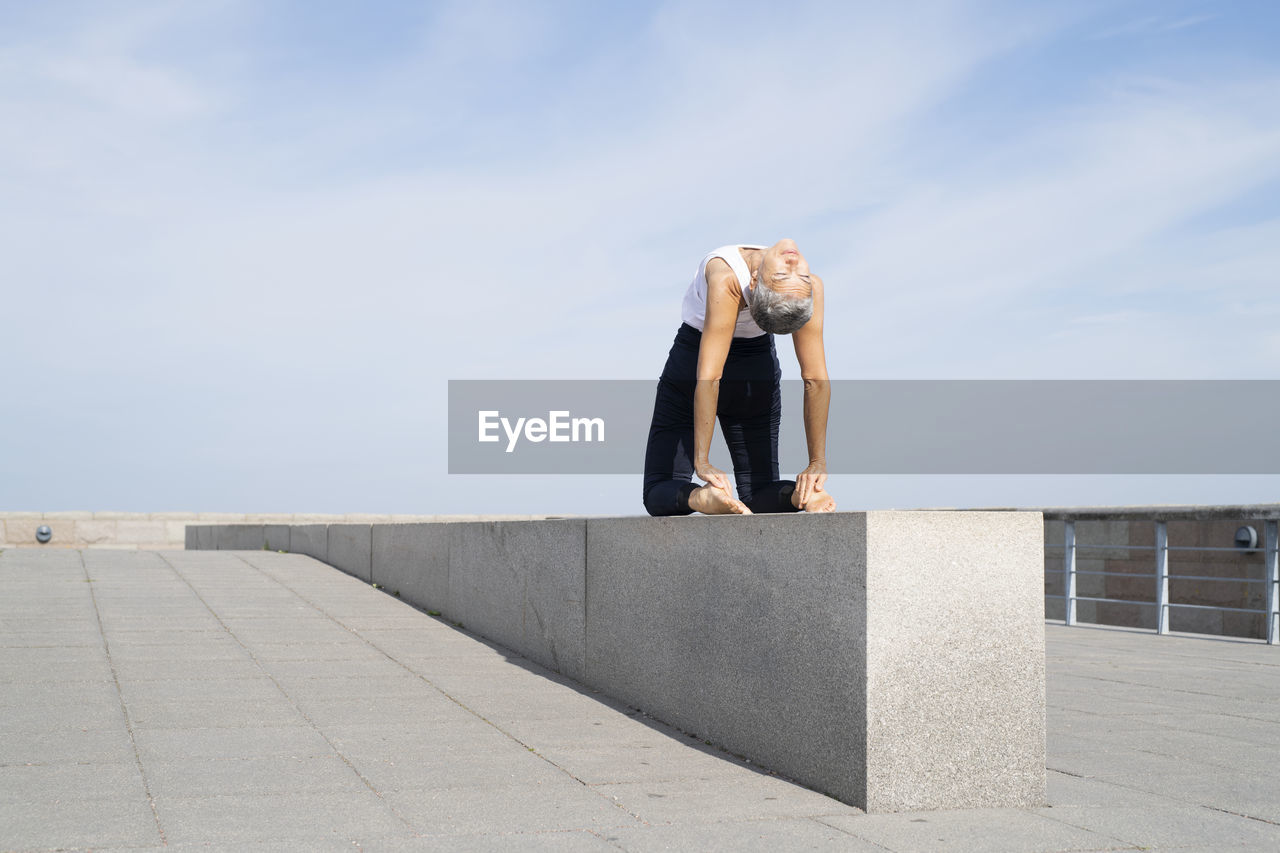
256,700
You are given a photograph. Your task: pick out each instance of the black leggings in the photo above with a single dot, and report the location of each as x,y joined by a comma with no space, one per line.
749,409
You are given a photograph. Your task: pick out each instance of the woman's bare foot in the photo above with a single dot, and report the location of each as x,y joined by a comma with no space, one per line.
818,502
714,500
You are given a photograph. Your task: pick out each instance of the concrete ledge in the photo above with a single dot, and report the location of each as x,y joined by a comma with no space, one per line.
412,561
84,529
200,538
310,539
239,537
746,635
523,584
350,549
892,659
955,660
276,537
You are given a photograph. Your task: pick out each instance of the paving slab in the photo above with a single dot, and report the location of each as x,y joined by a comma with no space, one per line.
561,841
57,672
748,836
180,744
434,769
50,782
212,713
387,710
29,712
213,777
292,816
1067,790
235,666
1238,793
988,830
123,819
675,761
749,796
67,746
1168,825
302,709
559,805
427,740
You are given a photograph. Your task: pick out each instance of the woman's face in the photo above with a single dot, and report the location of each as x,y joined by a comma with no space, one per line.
784,270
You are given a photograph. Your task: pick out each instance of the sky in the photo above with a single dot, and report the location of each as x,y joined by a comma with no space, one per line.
244,245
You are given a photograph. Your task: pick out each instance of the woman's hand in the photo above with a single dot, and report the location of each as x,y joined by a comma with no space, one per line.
809,482
713,476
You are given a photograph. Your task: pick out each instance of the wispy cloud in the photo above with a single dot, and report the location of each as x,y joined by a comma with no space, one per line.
207,201
1154,24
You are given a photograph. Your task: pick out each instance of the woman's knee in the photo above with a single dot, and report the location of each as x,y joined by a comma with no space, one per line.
651,503
667,497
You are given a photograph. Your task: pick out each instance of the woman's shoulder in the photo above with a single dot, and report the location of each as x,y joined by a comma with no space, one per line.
728,267
722,278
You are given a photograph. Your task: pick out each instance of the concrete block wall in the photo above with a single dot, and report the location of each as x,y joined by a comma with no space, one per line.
132,530
894,660
84,529
350,549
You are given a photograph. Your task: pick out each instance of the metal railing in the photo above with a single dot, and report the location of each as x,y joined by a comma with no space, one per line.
1161,576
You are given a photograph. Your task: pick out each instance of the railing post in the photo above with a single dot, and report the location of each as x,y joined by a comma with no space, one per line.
1069,572
1273,583
1162,577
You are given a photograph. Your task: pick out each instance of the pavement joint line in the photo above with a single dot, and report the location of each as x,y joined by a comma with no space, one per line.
1128,845
124,709
1171,798
605,839
442,691
1174,728
1240,814
345,760
1067,773
1172,754
1174,708
1141,684
850,832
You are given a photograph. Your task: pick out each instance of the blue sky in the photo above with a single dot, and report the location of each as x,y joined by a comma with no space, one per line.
244,245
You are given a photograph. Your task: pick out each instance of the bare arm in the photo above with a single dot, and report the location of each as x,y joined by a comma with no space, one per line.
812,356
723,301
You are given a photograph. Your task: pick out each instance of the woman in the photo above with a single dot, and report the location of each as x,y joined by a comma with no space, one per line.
723,363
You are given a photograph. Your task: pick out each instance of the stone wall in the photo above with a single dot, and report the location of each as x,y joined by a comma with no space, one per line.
133,530
894,660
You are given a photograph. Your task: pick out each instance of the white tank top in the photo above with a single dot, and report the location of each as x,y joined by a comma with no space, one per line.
694,309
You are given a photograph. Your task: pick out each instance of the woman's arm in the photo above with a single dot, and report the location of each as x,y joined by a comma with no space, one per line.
723,300
812,356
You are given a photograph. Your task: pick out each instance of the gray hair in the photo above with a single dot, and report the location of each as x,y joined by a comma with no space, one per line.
778,314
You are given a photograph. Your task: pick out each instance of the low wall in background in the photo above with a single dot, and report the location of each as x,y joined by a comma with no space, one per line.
1116,560
894,660
133,530
1127,555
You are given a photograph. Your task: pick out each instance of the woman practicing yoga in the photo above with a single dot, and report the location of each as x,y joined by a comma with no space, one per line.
723,364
